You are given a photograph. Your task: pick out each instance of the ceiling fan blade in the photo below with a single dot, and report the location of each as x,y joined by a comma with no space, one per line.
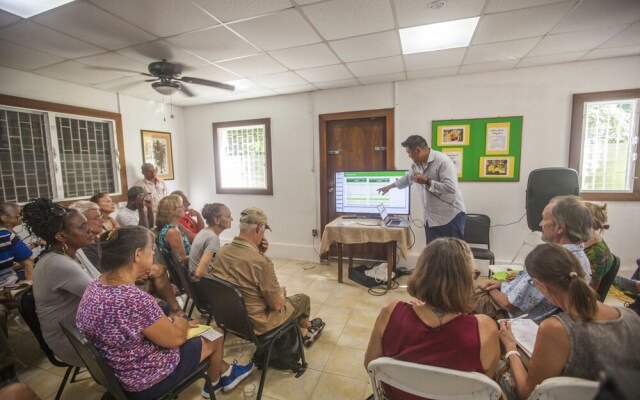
114,69
206,82
152,80
184,89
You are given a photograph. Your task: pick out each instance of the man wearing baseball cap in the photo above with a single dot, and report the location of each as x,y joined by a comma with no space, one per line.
134,213
243,264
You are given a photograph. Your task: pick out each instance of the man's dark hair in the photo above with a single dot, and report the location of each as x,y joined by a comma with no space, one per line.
414,141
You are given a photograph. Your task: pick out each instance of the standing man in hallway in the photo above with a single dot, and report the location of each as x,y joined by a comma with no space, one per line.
437,179
153,185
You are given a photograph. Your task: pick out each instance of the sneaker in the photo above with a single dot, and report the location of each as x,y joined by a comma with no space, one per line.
238,373
216,389
317,325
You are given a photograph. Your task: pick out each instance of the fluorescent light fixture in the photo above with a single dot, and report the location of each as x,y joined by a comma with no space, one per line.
29,8
440,36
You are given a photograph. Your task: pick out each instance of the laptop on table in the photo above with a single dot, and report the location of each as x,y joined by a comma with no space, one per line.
387,221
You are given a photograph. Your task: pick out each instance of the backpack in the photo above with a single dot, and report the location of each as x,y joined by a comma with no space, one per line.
285,354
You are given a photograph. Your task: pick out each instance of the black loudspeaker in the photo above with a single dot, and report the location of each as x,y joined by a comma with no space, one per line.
545,184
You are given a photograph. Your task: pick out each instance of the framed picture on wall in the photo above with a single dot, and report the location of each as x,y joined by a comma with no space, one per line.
496,167
156,150
453,135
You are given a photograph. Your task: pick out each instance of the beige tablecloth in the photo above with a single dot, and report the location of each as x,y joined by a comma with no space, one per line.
349,231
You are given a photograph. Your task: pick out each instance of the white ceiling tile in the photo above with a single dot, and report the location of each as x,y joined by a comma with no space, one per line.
215,44
628,37
78,73
296,89
259,64
434,59
315,55
196,101
285,29
23,58
86,22
326,73
282,79
598,13
378,66
519,24
231,10
254,95
337,19
417,12
7,18
337,84
115,61
432,73
245,86
305,2
377,45
551,59
126,85
399,76
513,49
38,37
211,72
612,52
160,50
486,67
159,17
573,41
494,6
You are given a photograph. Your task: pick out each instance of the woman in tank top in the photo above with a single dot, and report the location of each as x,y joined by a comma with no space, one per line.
584,340
437,330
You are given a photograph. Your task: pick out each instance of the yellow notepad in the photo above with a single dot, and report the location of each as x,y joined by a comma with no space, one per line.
193,332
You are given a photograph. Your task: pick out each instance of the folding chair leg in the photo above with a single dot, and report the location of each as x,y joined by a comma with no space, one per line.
193,305
64,381
210,318
75,374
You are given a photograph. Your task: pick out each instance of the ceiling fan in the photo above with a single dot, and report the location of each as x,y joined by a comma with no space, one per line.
168,79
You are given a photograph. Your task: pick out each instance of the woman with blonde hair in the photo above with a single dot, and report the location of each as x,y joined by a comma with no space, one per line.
170,238
580,342
437,330
595,247
207,242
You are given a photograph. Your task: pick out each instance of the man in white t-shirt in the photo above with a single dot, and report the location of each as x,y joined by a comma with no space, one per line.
139,209
153,185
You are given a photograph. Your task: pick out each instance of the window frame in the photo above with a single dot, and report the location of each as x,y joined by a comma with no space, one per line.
575,142
268,191
69,111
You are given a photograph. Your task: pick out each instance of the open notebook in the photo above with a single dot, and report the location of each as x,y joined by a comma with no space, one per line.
525,331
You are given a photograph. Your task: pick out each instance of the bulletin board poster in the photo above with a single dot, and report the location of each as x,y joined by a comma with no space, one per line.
482,149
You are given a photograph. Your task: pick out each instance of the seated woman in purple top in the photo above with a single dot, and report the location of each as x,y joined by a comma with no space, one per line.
148,352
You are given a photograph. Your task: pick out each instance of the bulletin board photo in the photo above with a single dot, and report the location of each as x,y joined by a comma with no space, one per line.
482,149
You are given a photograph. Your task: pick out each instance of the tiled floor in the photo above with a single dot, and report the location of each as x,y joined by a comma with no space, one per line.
335,361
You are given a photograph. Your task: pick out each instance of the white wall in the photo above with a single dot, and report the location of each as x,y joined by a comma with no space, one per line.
542,95
136,114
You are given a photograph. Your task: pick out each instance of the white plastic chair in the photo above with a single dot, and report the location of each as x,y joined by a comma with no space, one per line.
432,382
565,388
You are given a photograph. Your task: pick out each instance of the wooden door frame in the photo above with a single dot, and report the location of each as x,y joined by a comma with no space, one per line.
324,119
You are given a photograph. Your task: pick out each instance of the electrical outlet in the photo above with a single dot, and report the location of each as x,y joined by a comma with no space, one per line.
314,232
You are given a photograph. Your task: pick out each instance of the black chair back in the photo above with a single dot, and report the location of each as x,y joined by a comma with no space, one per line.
96,364
607,279
227,305
476,229
192,292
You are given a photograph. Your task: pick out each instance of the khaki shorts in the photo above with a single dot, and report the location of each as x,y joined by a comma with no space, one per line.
301,307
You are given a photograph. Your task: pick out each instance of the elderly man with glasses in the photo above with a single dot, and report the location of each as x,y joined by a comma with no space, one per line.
565,221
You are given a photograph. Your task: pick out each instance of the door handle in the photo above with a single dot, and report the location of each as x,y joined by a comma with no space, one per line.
333,152
380,148
331,190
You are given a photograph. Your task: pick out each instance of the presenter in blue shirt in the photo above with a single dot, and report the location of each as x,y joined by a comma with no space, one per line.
437,179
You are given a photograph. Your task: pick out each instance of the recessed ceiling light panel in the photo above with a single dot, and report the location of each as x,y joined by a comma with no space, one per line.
440,36
29,8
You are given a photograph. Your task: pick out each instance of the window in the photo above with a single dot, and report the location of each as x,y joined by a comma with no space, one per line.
59,152
242,154
604,144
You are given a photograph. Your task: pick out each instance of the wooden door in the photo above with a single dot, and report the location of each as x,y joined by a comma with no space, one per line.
353,141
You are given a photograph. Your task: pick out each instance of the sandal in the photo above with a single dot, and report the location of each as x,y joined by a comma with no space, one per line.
314,331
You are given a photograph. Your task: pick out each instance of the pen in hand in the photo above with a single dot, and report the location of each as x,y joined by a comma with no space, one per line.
520,317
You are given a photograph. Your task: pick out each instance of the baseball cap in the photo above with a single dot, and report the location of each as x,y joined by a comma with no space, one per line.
134,191
254,215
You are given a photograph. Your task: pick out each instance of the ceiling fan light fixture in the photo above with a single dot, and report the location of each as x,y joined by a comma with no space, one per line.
166,88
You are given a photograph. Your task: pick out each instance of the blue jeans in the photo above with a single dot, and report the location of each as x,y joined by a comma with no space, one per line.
454,228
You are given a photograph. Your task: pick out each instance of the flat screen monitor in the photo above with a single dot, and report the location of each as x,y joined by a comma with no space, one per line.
356,192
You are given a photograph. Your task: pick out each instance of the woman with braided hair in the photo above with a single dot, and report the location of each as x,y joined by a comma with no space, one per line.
59,279
585,339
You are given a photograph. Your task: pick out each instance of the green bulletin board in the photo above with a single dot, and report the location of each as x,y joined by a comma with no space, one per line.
483,149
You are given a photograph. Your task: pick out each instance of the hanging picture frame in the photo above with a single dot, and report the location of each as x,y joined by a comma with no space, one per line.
157,150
